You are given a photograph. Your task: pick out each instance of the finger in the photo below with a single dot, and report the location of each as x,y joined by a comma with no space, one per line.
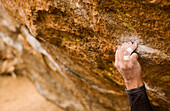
131,47
121,55
117,56
117,53
126,56
129,43
134,57
119,47
117,59
123,47
126,46
134,46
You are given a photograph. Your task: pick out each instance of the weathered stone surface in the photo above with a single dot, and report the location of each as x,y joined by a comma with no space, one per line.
72,64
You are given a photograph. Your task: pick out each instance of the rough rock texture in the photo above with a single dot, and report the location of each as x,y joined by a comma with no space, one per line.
71,60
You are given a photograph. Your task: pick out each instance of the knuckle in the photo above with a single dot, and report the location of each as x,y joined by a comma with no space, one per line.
123,67
130,66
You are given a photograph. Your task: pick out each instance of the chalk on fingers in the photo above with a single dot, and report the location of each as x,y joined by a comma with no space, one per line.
126,58
130,50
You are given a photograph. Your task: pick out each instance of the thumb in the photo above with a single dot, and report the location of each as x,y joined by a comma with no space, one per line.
134,57
134,46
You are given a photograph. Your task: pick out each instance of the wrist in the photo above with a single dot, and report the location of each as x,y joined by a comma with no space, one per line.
131,84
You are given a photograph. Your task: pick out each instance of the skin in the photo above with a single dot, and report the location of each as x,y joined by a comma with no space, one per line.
129,69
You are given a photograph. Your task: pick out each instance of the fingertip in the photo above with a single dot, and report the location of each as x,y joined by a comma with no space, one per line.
135,45
130,43
117,51
134,57
124,44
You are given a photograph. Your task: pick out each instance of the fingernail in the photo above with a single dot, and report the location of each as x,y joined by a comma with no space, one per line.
135,43
124,44
129,42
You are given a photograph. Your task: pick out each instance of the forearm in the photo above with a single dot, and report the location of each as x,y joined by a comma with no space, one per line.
138,99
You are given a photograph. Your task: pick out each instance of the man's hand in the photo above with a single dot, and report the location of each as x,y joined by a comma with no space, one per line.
127,64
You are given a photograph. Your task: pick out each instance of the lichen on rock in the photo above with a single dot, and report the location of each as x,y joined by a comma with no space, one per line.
68,48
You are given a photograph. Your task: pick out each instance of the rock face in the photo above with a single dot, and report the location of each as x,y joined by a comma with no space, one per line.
66,47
